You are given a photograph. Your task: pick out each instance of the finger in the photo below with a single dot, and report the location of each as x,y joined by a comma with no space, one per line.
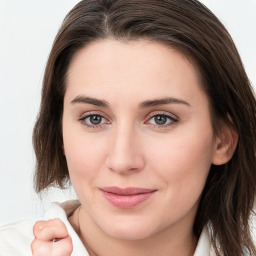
50,229
63,247
40,248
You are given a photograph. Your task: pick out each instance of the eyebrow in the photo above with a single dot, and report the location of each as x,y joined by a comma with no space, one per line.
163,101
89,100
144,104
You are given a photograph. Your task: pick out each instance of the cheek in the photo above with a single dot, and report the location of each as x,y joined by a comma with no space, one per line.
84,159
84,155
186,168
182,174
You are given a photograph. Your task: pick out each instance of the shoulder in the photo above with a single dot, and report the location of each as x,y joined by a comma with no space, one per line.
15,238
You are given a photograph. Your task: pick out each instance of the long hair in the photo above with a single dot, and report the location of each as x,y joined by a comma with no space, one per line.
189,27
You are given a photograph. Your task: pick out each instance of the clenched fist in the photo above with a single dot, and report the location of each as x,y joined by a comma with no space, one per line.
51,239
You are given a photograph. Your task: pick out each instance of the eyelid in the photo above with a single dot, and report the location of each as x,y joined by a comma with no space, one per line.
93,112
174,119
164,113
85,115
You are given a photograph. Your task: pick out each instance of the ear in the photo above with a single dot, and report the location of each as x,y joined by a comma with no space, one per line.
225,145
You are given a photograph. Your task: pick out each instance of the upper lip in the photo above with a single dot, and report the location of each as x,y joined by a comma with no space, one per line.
127,191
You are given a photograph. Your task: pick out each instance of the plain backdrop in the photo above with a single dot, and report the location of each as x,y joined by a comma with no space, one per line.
27,30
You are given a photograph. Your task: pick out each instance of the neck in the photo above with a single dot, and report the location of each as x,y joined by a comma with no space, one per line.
170,242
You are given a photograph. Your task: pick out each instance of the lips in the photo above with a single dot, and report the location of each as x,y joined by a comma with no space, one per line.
127,197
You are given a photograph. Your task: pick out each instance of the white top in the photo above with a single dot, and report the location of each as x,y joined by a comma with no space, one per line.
15,238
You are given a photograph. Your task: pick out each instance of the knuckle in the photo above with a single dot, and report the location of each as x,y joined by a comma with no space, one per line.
55,223
50,229
38,227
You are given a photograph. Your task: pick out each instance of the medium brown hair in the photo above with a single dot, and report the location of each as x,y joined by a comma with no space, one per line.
188,26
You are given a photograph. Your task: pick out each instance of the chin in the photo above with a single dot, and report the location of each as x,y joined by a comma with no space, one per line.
128,230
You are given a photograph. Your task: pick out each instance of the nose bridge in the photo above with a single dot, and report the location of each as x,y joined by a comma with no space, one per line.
125,154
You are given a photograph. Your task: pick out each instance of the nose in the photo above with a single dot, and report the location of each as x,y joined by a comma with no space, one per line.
125,152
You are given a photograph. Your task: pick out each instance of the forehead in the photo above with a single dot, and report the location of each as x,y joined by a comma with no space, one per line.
136,67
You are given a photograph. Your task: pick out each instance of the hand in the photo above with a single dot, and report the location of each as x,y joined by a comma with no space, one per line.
51,239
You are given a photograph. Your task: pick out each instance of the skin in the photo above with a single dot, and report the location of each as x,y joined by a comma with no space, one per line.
45,232
130,148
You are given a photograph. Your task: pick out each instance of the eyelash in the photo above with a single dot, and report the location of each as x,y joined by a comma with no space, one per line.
172,120
88,115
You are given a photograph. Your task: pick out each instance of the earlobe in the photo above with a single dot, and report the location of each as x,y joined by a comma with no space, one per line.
225,146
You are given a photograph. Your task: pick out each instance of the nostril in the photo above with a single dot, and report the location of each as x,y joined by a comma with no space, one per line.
133,169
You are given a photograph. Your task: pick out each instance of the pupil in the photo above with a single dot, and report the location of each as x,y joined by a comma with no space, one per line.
95,119
160,119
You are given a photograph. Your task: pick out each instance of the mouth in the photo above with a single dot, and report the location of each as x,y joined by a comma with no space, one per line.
126,198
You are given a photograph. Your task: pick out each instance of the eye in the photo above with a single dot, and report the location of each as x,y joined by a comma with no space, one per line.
93,120
162,120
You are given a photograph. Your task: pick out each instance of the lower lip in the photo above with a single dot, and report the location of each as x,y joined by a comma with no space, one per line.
127,201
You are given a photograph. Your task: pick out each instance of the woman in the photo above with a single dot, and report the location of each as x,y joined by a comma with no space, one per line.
147,110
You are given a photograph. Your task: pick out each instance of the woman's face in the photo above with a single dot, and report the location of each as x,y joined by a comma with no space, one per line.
137,137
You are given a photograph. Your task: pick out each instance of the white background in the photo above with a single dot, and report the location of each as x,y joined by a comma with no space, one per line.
27,30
